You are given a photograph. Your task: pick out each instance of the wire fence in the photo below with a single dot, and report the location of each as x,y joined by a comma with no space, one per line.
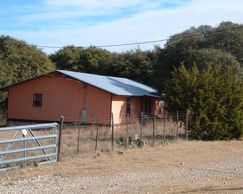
135,132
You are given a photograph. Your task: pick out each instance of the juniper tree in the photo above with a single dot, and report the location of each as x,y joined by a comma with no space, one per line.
214,96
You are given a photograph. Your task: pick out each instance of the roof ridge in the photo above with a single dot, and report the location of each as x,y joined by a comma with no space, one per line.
92,74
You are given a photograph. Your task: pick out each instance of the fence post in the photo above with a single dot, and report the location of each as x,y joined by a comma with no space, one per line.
165,118
24,147
112,132
141,129
126,143
78,140
97,133
54,131
60,138
177,122
186,125
153,129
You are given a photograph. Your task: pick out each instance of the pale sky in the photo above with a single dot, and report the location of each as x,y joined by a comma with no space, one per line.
105,22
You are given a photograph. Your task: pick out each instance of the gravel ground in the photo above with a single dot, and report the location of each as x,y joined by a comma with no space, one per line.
228,172
182,167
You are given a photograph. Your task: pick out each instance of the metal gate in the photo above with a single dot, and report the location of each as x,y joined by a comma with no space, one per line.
28,144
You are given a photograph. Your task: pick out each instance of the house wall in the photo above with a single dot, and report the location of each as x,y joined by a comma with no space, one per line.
98,105
61,96
136,106
154,108
119,108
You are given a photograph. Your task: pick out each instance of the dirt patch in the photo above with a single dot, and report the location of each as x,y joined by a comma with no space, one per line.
183,167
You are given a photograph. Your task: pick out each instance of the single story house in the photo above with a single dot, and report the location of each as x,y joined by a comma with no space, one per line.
79,97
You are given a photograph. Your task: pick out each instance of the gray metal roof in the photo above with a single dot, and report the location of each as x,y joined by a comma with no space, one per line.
114,85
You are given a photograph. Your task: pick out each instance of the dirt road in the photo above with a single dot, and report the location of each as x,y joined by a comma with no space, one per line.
184,167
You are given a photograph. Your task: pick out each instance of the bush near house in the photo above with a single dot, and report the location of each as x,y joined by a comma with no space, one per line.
214,96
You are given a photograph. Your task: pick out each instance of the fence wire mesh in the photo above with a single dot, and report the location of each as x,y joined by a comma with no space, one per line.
136,132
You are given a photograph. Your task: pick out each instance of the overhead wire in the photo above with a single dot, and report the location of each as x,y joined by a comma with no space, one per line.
145,42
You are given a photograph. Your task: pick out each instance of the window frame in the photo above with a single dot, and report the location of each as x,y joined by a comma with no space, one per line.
37,100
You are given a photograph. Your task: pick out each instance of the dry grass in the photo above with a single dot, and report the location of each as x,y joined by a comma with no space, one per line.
87,136
3,119
148,158
78,139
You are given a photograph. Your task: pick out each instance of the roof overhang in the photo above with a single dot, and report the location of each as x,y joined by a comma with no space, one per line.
153,95
58,72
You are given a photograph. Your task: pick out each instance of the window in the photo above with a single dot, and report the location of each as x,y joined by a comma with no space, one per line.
37,100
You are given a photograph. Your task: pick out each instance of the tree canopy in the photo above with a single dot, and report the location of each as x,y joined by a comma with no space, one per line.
202,45
20,61
214,97
202,71
133,64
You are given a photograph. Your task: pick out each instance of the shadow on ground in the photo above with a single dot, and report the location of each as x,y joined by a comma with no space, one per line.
212,189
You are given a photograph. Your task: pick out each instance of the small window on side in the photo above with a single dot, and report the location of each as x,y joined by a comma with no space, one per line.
37,100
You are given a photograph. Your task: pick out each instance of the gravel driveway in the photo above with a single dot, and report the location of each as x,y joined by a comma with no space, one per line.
226,172
214,167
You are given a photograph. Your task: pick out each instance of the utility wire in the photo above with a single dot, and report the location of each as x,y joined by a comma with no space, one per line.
176,37
111,45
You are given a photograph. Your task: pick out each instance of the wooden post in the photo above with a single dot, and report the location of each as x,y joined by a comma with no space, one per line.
177,122
186,125
97,133
126,143
112,132
141,129
78,140
165,118
164,128
153,129
60,138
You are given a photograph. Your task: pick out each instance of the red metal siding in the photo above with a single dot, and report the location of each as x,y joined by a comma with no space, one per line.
98,104
61,96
